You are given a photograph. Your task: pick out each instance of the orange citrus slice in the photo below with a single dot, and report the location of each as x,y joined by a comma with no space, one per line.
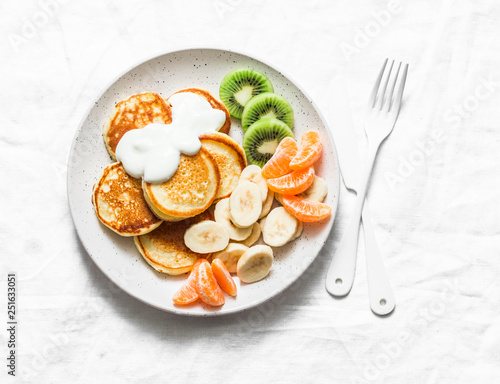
278,165
306,210
187,294
309,152
207,287
223,277
293,183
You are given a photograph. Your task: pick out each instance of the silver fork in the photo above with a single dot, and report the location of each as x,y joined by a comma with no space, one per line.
380,118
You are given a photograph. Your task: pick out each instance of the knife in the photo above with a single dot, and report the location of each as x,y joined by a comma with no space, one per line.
380,293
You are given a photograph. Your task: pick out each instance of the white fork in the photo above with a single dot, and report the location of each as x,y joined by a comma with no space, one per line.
380,118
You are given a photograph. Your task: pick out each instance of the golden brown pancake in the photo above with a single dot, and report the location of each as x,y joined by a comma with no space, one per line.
134,113
189,192
164,248
230,158
120,205
216,104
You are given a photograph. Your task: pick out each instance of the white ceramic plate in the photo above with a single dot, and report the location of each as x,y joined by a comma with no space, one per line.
117,256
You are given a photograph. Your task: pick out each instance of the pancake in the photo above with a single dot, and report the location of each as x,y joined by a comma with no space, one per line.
120,205
189,192
230,158
134,113
216,104
164,248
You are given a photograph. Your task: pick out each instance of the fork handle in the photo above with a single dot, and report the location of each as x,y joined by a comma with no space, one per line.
340,275
380,293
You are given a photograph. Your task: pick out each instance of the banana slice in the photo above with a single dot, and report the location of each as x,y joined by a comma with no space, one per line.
262,223
266,206
245,204
254,236
279,228
278,196
255,263
230,255
222,217
253,173
317,191
298,232
206,237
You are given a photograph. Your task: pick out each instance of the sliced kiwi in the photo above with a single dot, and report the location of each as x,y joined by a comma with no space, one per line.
239,86
262,138
267,105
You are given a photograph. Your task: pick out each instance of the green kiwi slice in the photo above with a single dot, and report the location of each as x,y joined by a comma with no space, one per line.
267,105
262,138
239,86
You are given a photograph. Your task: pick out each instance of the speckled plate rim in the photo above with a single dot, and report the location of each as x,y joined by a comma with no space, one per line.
180,49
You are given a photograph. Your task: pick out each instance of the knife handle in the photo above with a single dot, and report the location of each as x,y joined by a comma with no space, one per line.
380,293
340,275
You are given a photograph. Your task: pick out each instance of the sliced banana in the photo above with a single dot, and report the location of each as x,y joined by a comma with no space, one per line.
262,222
254,236
279,228
278,196
255,263
266,206
253,173
206,237
298,232
245,204
222,217
317,191
230,255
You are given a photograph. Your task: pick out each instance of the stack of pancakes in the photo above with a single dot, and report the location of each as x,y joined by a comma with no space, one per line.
131,207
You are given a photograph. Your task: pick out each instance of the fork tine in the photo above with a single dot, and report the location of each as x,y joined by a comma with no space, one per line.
393,85
399,95
382,94
377,83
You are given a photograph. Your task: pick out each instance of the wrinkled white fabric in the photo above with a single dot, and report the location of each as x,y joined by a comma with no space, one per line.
434,196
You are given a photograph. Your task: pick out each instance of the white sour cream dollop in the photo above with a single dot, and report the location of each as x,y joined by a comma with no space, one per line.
153,152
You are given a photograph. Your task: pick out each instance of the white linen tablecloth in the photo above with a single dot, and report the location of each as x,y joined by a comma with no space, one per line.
434,196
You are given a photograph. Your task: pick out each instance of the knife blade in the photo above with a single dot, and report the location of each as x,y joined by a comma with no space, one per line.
343,132
381,297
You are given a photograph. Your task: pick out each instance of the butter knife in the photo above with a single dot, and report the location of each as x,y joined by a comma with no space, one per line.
380,293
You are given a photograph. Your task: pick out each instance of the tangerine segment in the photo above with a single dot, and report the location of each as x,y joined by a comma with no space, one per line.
207,287
293,183
187,294
309,151
223,277
306,210
278,165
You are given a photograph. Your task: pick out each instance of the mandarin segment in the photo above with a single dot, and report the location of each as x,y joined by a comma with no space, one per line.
279,164
306,210
188,294
207,287
223,277
293,183
309,152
